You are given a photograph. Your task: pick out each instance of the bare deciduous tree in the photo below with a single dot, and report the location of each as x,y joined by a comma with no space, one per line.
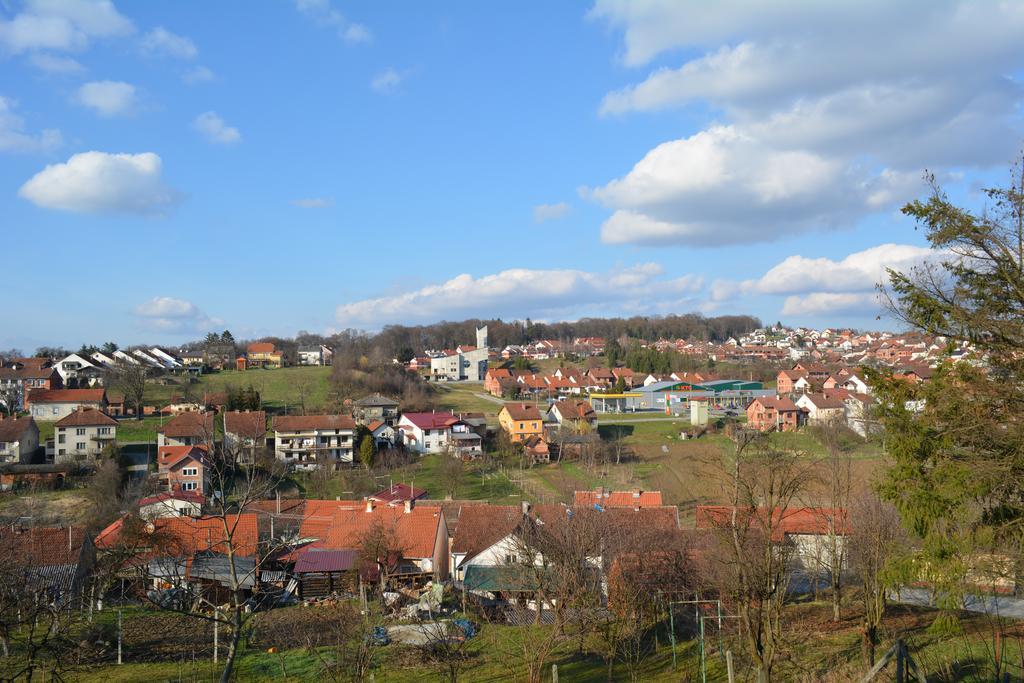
877,538
750,562
130,380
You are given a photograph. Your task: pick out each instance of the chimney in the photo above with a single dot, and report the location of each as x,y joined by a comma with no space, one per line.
369,505
600,491
525,506
636,494
408,505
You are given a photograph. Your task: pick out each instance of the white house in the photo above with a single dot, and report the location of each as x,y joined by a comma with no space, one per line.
438,432
83,435
171,504
309,441
315,355
51,405
19,439
464,364
822,409
122,357
77,371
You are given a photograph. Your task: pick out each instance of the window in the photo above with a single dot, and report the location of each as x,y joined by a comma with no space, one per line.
80,446
190,471
55,411
80,431
104,430
189,486
60,438
61,452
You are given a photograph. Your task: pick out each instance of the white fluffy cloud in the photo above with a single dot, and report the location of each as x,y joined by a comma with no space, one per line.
522,292
14,138
56,65
62,25
859,271
98,182
162,42
215,129
832,304
724,185
324,14
550,212
823,286
108,98
815,130
168,314
313,202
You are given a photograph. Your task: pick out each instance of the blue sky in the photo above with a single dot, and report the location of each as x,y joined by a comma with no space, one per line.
170,168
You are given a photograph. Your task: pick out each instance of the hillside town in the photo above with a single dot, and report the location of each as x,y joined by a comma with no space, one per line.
229,488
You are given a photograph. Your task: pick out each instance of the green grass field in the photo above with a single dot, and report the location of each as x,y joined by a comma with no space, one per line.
280,389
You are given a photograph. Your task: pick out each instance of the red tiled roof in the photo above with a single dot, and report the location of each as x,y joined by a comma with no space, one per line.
185,536
618,498
415,531
260,347
436,420
804,520
301,423
481,526
86,417
66,396
398,493
42,546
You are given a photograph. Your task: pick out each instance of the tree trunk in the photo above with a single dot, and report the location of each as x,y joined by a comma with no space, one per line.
236,636
837,598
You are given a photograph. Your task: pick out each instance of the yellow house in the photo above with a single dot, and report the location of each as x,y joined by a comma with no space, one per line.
521,421
263,355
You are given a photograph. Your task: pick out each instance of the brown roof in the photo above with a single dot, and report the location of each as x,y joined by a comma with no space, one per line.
66,396
481,526
302,423
42,546
13,428
250,424
522,411
573,408
778,403
86,417
826,401
189,424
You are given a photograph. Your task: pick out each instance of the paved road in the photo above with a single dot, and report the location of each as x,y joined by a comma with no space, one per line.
1005,606
492,399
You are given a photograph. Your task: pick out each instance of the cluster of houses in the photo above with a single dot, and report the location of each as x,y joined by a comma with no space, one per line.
812,393
305,549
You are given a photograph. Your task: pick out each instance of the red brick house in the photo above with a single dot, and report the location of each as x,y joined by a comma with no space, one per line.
767,413
785,382
184,468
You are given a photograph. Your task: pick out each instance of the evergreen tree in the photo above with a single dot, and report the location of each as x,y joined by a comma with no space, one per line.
366,451
956,441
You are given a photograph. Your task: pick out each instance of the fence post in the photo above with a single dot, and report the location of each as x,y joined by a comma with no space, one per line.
119,632
216,635
554,673
900,663
728,666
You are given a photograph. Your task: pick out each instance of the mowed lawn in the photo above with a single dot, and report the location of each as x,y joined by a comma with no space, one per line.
280,389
